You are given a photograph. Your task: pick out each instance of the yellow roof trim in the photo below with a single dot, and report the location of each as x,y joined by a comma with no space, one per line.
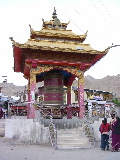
58,33
59,49
58,41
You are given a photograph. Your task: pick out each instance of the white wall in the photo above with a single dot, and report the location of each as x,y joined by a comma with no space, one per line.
73,97
26,131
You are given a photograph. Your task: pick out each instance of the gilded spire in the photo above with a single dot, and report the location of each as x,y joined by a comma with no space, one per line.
54,15
55,22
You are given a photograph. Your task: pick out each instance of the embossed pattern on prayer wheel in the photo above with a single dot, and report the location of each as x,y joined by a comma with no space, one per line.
53,88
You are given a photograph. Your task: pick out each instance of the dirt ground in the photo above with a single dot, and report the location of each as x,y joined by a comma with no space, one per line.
10,151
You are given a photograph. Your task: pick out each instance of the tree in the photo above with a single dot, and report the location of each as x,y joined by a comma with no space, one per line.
117,102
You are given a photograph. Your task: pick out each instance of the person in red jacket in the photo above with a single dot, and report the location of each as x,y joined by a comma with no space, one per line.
104,130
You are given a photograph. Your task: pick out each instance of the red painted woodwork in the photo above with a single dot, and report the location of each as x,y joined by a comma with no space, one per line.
30,61
81,101
17,59
50,97
19,107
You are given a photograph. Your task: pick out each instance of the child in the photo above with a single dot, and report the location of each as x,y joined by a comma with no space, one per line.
104,130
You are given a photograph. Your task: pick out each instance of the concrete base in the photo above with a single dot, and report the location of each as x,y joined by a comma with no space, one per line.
33,131
26,131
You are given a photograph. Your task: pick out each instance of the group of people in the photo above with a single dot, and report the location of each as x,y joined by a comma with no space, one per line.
99,110
110,130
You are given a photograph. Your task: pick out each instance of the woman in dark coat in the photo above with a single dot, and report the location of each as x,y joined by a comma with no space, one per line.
1,113
116,135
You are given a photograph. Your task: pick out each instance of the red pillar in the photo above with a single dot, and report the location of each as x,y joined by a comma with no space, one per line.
69,109
81,95
28,106
31,97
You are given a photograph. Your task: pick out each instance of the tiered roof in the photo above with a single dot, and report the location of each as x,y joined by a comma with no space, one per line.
54,37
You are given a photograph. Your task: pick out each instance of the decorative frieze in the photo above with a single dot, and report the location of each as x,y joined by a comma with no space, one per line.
45,68
60,56
81,79
32,77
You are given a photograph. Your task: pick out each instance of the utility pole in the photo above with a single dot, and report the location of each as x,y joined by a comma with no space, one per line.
5,80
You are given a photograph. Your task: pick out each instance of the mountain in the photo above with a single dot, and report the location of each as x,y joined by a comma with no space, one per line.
109,84
9,89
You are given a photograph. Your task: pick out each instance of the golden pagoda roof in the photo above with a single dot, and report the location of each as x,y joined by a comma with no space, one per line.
49,32
54,28
55,37
59,46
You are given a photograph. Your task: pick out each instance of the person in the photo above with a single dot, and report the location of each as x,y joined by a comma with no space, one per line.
107,111
1,113
113,120
104,130
86,108
116,135
113,110
111,123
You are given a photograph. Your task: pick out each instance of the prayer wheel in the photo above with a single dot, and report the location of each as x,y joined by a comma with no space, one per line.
53,88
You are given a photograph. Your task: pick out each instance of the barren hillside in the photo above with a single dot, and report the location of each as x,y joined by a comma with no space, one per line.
109,83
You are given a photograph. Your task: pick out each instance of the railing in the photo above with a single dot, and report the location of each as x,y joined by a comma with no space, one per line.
88,128
71,124
53,133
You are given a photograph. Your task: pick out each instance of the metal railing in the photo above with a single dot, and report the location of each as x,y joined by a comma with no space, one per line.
53,133
88,128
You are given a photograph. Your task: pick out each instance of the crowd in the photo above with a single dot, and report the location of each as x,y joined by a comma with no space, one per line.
110,130
99,110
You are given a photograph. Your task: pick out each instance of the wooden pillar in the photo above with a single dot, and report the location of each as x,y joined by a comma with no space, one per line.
81,95
69,114
31,96
28,105
68,95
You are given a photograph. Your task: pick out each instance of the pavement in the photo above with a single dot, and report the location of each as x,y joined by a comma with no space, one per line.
9,151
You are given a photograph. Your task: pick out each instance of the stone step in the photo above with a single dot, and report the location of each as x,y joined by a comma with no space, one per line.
74,146
70,131
72,134
64,137
72,139
2,127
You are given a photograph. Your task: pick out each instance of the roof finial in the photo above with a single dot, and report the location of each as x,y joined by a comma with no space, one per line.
11,38
54,14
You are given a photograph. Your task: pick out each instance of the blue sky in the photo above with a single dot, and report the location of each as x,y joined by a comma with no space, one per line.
99,17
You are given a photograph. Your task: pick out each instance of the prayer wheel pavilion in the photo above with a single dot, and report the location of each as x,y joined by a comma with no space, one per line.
56,56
